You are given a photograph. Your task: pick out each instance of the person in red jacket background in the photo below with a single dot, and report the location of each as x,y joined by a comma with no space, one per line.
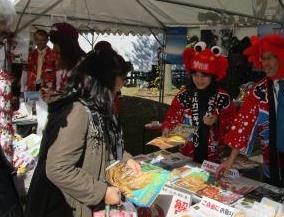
262,111
41,64
202,104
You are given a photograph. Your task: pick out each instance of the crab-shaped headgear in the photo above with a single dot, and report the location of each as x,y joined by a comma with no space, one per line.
205,60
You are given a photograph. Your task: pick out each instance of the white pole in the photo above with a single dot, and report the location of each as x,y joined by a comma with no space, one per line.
168,79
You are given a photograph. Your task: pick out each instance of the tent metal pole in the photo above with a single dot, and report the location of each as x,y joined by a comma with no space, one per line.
161,58
155,36
149,12
222,11
21,15
93,40
44,11
87,40
162,69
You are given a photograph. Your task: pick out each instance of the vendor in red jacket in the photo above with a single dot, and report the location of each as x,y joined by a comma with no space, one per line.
41,64
262,113
202,104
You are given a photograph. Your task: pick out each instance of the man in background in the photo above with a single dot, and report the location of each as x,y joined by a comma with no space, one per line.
41,64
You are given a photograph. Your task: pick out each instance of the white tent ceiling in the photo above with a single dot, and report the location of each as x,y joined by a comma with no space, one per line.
144,16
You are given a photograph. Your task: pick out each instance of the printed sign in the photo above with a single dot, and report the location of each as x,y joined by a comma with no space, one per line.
212,168
174,202
216,208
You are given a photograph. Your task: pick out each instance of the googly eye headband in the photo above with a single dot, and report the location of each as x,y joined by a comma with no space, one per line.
205,60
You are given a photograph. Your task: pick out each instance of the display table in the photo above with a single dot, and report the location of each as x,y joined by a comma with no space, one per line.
197,183
25,126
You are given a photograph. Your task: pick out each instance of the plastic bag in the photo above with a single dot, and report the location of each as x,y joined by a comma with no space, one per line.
125,209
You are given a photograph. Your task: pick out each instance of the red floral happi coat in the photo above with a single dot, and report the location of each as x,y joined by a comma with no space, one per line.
181,112
253,121
48,70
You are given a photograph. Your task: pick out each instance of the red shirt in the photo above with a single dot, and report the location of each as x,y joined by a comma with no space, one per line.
48,69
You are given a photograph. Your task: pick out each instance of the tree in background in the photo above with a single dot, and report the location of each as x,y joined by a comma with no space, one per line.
144,53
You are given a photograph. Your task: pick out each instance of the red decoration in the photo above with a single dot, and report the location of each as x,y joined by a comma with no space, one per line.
273,43
205,61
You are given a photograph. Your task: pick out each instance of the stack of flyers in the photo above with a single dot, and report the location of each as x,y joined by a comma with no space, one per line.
175,160
167,142
146,196
195,180
262,191
202,183
219,194
242,162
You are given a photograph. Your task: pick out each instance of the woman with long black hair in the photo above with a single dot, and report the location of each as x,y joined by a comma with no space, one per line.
82,137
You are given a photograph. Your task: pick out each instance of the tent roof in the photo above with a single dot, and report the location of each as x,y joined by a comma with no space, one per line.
146,16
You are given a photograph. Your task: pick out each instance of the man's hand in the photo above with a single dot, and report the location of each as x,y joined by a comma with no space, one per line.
225,166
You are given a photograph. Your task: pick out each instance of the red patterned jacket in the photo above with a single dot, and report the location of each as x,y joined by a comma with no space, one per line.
48,69
253,121
181,111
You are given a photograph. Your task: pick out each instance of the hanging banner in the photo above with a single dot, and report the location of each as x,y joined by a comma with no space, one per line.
265,29
175,44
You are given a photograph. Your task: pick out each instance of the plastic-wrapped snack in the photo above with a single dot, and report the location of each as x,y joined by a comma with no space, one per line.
183,130
24,162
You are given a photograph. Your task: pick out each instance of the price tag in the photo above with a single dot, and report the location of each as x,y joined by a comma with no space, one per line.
209,166
212,168
216,208
178,204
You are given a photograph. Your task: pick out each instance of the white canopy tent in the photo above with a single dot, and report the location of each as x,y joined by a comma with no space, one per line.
147,16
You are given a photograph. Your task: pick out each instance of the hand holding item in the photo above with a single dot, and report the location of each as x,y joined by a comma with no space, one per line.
126,178
210,119
225,166
113,196
134,165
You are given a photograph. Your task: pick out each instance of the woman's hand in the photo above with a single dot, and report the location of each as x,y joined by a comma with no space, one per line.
134,165
225,166
210,119
113,196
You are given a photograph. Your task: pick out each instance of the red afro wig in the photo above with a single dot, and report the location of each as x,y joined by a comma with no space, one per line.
205,60
273,43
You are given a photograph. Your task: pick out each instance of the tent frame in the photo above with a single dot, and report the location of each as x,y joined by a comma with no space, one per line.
222,11
162,27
